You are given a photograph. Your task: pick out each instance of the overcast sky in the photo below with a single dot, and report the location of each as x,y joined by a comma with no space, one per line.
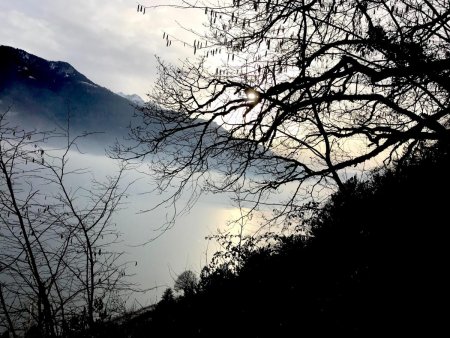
108,41
115,46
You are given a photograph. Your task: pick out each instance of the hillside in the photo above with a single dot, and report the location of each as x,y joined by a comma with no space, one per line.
374,266
42,93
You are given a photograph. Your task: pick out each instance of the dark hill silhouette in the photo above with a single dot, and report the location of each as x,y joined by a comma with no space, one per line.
375,266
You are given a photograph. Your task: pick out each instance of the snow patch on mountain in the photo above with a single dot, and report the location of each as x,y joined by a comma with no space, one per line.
133,98
89,84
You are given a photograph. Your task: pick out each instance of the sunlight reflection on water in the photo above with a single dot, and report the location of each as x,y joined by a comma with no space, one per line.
181,247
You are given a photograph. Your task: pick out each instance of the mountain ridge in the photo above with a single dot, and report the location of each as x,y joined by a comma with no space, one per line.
45,93
133,98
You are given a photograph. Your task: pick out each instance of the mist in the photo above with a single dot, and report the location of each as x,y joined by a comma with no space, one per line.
159,242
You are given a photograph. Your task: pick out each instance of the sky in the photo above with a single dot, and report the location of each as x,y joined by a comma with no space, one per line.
107,41
115,46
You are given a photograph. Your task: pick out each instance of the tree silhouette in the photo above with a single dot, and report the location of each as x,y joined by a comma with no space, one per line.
187,282
375,264
167,296
294,93
57,263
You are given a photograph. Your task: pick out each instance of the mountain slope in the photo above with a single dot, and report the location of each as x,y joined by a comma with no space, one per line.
134,98
42,93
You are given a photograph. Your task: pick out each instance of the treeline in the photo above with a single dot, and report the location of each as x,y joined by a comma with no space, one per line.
374,265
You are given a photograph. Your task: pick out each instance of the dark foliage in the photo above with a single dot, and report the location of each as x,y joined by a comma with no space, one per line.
186,282
375,266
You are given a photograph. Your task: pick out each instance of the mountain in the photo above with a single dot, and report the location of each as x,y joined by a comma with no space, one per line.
42,93
133,98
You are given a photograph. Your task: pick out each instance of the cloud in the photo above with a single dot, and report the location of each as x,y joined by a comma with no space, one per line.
19,30
114,46
109,42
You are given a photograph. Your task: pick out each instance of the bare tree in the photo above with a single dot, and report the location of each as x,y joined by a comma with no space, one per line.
58,258
299,92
